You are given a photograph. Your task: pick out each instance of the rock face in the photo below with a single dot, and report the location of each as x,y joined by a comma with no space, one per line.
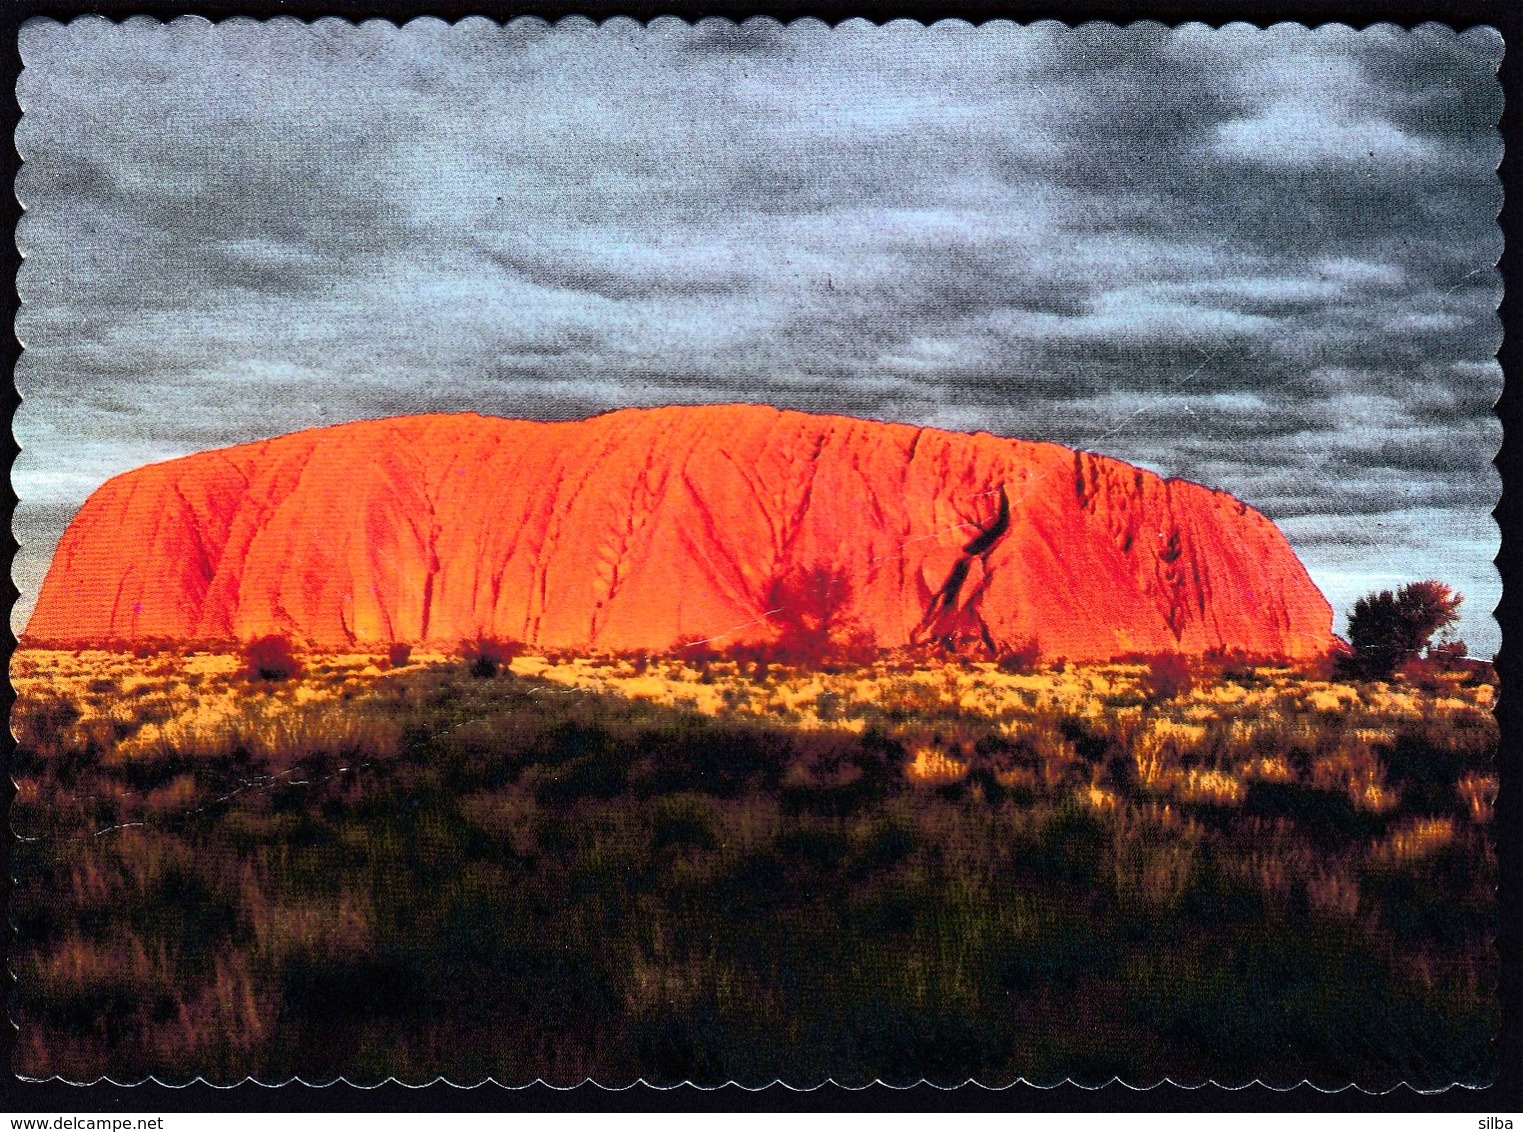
649,528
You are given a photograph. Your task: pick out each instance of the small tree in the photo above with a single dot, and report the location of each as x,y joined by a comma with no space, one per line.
1386,629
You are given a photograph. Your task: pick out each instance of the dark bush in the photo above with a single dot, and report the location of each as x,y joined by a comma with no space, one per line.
399,654
568,740
1327,667
812,846
486,655
722,760
352,989
603,774
270,658
680,830
1327,818
1121,773
1021,658
981,779
151,646
889,843
1425,763
1091,746
1168,676
1447,652
881,759
1071,846
1003,754
40,722
1386,630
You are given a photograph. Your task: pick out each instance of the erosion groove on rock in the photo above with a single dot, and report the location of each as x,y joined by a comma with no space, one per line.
648,528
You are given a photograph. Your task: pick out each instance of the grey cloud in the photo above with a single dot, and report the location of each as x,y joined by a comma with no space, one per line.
1437,84
241,229
610,276
726,38
1132,102
1440,452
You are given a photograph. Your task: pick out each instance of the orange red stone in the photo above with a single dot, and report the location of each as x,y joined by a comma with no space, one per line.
648,528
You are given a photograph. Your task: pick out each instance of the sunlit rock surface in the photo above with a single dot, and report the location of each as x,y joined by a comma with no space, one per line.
649,528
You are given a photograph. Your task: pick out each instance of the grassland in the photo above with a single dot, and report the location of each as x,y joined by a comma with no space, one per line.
620,868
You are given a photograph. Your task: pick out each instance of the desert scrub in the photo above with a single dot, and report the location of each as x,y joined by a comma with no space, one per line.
421,871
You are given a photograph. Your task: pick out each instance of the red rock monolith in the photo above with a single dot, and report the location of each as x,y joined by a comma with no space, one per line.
649,528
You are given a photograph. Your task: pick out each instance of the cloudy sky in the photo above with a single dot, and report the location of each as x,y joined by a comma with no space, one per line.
1262,260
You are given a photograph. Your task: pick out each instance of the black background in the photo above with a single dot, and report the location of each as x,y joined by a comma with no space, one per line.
1505,1097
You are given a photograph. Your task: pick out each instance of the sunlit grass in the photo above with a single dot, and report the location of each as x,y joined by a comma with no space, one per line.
710,868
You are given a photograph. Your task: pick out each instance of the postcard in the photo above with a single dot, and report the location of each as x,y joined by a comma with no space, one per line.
756,552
